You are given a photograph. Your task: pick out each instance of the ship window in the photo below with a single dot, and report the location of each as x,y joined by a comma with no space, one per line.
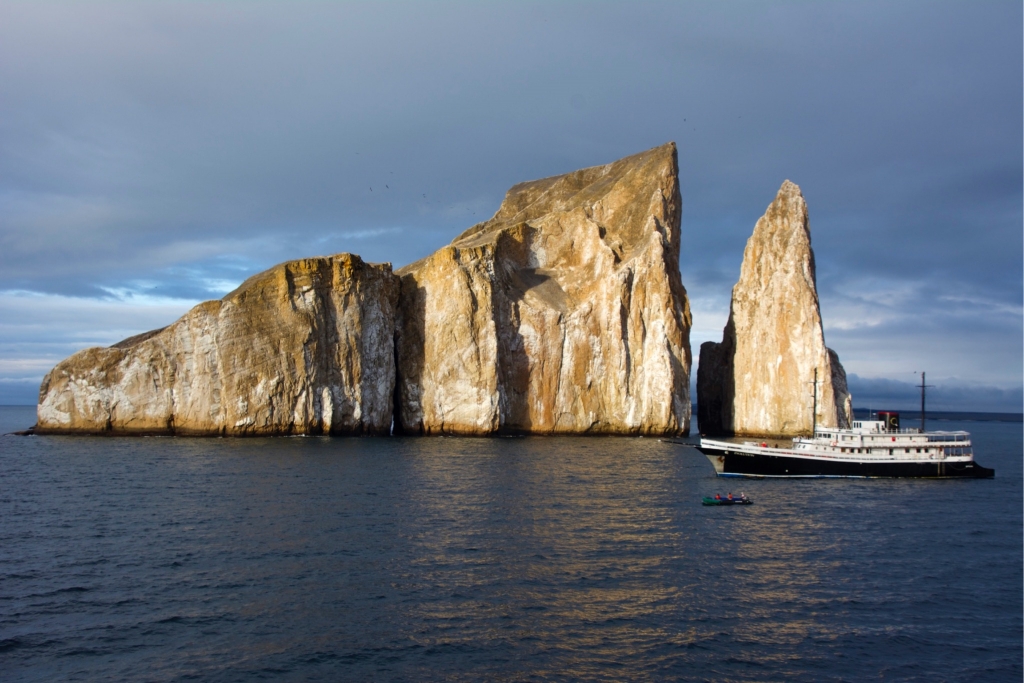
890,451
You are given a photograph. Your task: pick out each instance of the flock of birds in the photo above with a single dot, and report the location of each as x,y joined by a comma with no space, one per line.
388,187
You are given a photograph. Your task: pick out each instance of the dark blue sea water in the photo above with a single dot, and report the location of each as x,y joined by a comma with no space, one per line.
164,559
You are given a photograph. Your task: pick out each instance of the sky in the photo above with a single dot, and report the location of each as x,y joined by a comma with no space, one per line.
154,155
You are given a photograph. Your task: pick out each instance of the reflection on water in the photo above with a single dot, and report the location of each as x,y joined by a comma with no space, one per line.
554,546
535,558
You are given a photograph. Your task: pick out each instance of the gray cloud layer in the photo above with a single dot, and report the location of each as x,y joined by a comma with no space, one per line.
159,153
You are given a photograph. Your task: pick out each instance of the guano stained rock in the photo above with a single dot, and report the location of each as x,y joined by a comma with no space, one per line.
757,381
563,314
303,348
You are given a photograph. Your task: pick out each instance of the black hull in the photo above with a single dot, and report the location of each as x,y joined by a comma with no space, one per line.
765,465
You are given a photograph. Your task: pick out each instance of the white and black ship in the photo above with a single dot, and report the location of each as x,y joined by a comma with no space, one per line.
872,448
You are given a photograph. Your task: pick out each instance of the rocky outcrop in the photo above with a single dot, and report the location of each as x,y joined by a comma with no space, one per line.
303,348
757,381
563,314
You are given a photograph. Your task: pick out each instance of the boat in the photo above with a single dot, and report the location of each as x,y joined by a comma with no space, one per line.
718,500
870,448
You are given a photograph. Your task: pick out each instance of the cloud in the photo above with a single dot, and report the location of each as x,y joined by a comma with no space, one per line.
165,151
887,394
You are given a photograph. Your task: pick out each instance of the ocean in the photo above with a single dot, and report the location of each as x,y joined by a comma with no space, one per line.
519,559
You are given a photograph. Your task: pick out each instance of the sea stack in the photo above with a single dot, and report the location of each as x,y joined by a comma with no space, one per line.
563,314
758,380
303,348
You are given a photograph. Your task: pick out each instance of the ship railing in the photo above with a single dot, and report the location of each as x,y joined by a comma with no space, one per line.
868,452
949,436
932,436
913,430
829,431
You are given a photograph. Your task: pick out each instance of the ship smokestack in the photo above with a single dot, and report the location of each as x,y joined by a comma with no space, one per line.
891,420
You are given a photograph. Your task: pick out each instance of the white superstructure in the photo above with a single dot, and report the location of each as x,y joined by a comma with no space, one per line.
871,440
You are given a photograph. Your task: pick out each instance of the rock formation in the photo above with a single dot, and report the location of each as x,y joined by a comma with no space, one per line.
563,314
303,348
757,381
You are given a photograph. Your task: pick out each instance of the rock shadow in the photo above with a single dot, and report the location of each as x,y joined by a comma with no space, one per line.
716,386
410,352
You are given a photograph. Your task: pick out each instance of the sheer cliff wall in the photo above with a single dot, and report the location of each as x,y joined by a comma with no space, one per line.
303,348
563,314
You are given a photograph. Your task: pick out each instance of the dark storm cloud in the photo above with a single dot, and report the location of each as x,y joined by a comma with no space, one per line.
887,394
169,150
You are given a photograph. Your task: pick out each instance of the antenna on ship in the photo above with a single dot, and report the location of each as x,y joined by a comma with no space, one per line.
923,386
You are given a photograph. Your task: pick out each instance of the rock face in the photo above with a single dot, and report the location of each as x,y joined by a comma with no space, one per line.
303,348
564,313
757,381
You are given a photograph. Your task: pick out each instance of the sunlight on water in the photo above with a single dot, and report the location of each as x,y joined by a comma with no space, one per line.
460,559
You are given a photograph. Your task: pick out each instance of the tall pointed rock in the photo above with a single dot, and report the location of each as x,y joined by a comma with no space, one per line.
757,381
563,314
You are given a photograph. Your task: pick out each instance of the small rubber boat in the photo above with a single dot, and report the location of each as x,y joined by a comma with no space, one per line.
742,500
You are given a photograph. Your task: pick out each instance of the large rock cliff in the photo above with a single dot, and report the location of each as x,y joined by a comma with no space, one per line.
757,381
303,348
564,313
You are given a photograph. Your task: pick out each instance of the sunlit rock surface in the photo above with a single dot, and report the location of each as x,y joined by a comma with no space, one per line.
564,313
758,380
303,348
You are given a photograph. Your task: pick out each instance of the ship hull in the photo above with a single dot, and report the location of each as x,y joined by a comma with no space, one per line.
732,464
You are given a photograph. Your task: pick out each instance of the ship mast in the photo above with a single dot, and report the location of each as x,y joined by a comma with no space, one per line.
922,386
814,409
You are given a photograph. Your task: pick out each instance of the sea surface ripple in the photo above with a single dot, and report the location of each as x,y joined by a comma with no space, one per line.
293,559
